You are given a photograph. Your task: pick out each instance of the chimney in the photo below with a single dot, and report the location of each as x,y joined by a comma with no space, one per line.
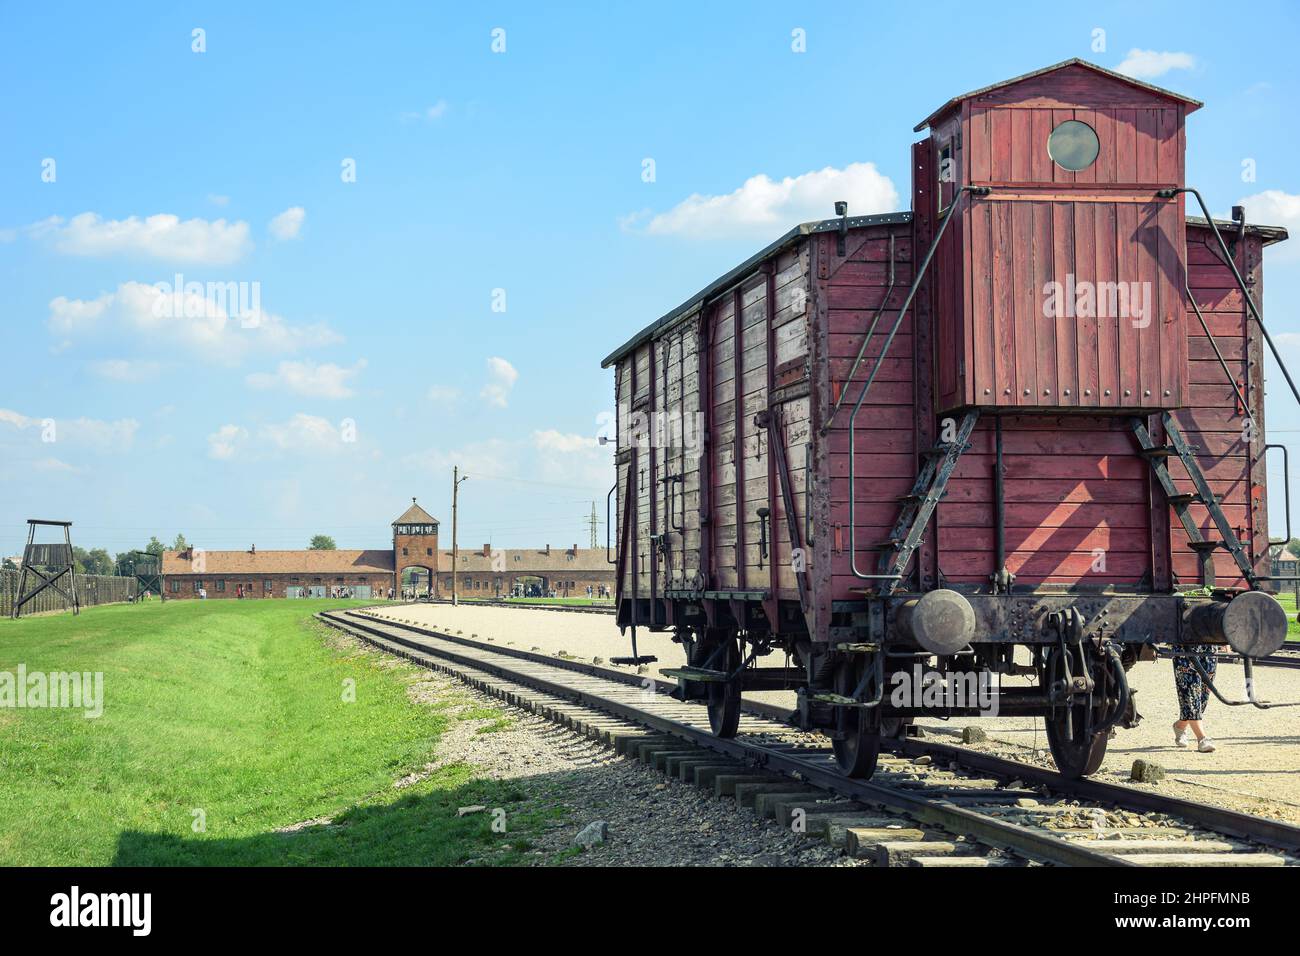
487,550
548,549
575,550
252,549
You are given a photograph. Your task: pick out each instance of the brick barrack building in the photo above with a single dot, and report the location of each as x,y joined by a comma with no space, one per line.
413,561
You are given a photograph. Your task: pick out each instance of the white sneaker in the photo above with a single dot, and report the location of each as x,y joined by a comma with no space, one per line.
1182,737
1205,745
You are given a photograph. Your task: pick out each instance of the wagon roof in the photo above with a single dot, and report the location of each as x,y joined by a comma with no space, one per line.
1269,235
726,281
1075,61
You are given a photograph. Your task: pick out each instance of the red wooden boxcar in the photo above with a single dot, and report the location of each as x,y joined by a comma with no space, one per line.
1027,414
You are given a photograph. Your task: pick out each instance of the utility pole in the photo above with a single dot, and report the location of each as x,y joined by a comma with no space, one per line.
455,551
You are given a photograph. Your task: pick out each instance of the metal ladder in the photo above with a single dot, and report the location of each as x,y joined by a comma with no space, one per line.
919,504
1181,502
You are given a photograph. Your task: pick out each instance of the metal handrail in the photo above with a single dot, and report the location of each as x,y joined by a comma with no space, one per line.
1286,489
1241,283
609,526
866,339
875,369
1254,311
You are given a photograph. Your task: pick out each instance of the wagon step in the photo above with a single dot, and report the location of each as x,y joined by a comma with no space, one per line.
1158,457
639,659
918,505
704,675
835,700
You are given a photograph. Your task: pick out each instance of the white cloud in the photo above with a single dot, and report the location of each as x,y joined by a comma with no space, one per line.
431,113
571,459
93,433
766,204
492,457
1273,207
197,320
307,378
547,457
553,440
76,317
305,433
125,370
501,379
218,200
163,236
288,224
301,434
223,443
1149,64
52,464
443,394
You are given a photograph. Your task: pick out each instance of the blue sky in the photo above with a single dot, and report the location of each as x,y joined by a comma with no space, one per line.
378,360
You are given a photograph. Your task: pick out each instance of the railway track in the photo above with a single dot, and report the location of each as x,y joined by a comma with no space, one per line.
927,805
523,603
1287,656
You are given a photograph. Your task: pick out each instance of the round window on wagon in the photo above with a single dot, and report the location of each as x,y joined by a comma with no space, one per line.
1073,145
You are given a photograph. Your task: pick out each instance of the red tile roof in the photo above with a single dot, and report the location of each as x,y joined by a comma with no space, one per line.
277,562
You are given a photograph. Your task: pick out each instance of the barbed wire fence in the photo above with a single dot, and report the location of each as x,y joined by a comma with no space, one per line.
92,589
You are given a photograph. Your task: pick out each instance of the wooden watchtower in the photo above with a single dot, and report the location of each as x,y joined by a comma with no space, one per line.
48,563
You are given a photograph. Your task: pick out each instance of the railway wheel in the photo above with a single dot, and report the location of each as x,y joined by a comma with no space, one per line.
1077,750
724,698
857,738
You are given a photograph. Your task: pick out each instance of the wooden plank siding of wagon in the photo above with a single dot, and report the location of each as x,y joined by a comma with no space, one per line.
1074,490
886,433
1043,223
923,372
723,433
1213,421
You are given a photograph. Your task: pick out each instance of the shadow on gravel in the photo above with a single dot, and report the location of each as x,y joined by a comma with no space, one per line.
420,829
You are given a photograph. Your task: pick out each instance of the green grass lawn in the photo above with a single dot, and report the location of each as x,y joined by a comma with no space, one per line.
236,709
1287,600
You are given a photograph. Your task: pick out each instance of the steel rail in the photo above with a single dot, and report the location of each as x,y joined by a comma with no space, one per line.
1273,833
818,772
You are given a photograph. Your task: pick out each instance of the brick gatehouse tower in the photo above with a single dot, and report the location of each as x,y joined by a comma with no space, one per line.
415,546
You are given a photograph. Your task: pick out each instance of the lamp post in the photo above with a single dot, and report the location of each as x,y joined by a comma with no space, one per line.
455,551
